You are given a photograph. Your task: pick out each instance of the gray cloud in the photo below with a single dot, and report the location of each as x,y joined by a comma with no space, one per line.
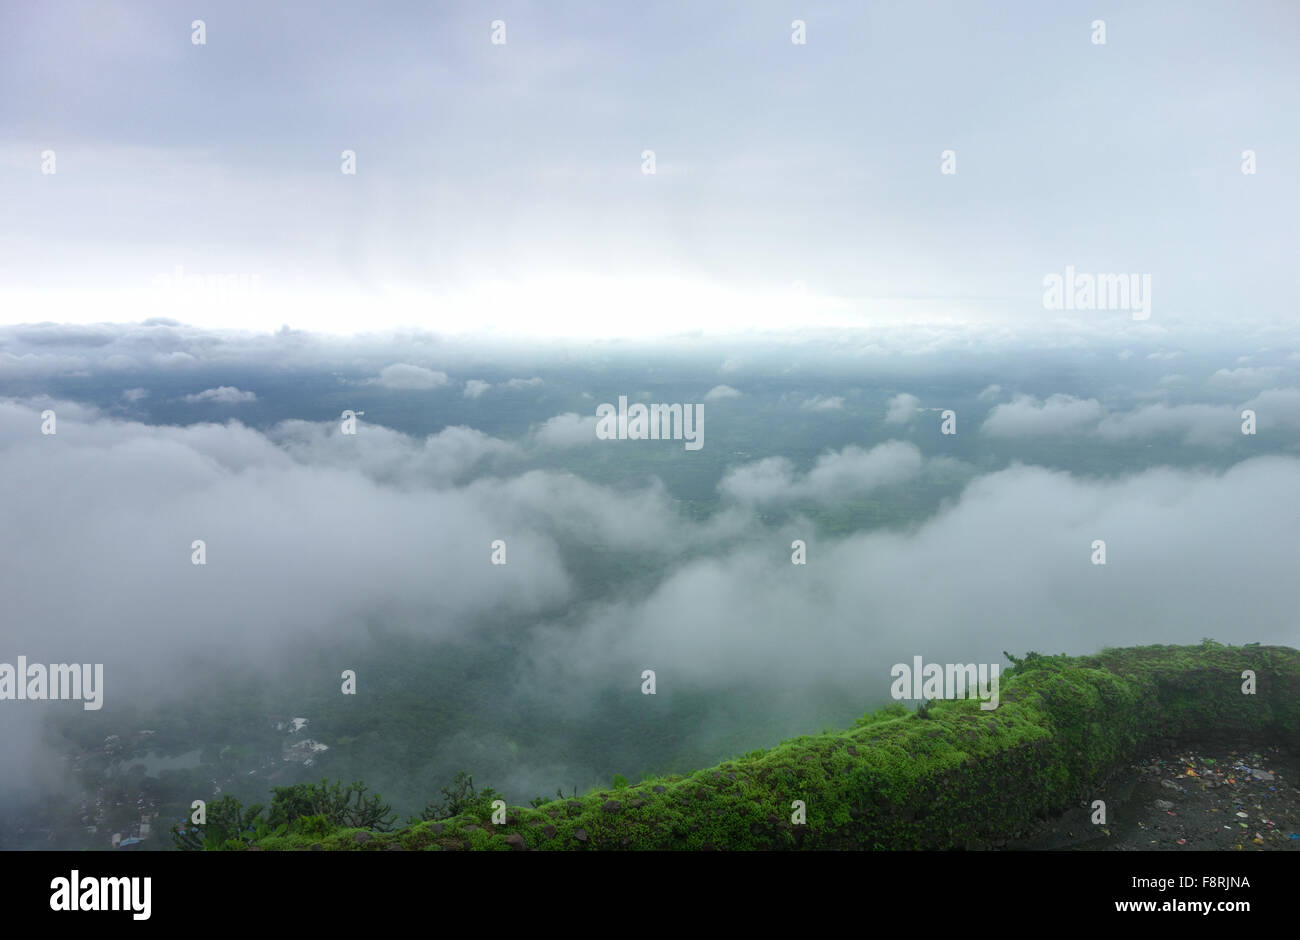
824,403
1246,377
1026,416
841,474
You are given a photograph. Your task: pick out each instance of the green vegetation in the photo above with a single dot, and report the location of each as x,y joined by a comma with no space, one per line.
960,777
307,810
461,799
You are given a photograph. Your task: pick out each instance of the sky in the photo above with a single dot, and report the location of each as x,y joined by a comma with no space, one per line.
499,187
799,263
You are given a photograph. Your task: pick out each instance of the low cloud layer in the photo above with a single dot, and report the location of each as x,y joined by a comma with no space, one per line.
311,533
1276,411
838,475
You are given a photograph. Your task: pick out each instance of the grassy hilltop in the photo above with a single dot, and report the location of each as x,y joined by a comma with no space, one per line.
951,776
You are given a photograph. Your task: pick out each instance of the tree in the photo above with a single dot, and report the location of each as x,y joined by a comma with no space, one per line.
229,826
339,805
461,798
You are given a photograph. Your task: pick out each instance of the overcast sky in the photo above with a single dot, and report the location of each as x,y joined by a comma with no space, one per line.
499,193
501,186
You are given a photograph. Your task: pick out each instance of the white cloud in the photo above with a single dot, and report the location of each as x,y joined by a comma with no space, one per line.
566,430
403,375
990,393
476,387
837,475
824,403
1178,542
224,395
902,408
1277,407
721,391
135,394
1026,416
523,383
1246,377
1198,424
762,481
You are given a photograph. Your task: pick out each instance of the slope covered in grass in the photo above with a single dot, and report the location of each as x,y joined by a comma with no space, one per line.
957,778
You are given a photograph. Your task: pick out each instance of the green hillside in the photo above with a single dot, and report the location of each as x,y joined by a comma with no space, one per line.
952,776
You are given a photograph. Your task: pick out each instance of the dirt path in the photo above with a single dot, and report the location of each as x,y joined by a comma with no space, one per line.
1203,798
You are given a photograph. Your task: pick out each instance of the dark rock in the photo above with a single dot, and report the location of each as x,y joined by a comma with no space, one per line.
516,842
853,751
580,835
612,806
636,804
394,847
660,788
549,832
362,837
317,847
471,828
437,828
